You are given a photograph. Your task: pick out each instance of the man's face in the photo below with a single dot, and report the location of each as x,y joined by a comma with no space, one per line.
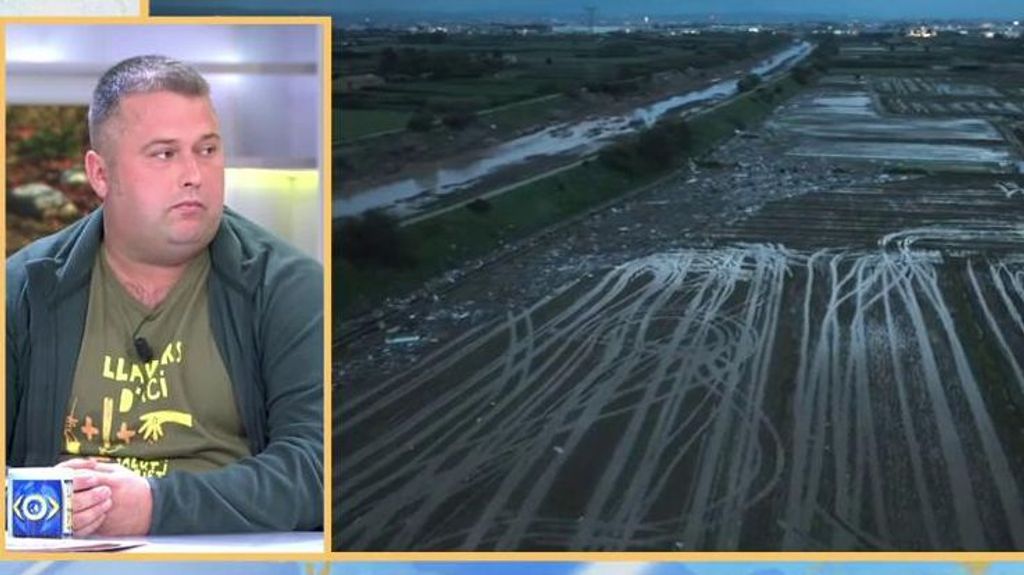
160,173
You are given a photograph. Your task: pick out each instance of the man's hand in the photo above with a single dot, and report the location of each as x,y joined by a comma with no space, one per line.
112,500
89,504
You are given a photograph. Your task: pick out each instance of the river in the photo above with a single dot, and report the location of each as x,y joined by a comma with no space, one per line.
406,196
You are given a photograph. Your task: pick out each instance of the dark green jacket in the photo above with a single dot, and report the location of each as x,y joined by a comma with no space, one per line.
266,313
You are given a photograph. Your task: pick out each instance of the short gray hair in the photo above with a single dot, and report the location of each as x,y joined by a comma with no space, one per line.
140,75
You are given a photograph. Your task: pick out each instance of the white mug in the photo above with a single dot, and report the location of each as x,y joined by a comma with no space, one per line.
39,502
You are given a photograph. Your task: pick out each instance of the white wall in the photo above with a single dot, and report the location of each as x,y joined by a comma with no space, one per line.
69,7
265,82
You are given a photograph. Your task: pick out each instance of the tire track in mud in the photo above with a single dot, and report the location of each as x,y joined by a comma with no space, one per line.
629,411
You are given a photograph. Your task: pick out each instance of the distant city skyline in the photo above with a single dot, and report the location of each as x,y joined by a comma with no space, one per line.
771,9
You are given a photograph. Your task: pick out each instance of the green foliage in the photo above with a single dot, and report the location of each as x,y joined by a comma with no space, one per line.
616,88
49,144
652,150
764,94
803,74
827,48
442,106
443,241
424,38
617,50
546,87
350,124
731,52
479,206
438,243
478,72
620,157
656,147
459,119
372,240
421,121
438,64
748,82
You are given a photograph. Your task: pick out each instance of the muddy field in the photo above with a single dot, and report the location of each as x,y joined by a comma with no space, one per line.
774,350
944,96
745,398
842,120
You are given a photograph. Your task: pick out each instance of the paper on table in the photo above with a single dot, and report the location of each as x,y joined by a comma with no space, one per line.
68,545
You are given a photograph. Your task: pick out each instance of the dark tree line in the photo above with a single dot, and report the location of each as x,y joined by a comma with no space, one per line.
438,65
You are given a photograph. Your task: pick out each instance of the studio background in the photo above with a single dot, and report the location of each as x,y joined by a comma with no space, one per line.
265,82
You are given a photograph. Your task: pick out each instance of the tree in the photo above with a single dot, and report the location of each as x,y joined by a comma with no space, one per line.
748,82
388,63
802,74
458,119
421,121
655,145
373,239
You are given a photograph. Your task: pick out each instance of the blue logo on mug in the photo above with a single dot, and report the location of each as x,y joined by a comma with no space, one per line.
36,508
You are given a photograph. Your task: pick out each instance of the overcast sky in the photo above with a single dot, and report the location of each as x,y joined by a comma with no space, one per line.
995,9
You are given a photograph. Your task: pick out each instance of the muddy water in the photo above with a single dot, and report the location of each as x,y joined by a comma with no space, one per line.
576,139
845,124
910,152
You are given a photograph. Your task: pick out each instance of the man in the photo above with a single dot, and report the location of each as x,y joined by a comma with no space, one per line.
166,348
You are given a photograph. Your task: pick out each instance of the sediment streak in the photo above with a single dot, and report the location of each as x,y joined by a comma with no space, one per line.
738,398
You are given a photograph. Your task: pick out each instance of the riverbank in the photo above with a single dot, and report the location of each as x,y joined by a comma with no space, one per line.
545,81
469,236
486,158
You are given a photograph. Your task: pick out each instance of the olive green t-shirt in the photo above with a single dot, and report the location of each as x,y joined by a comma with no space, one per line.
174,412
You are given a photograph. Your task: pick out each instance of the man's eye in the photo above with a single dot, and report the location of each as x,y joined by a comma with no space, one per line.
164,154
208,150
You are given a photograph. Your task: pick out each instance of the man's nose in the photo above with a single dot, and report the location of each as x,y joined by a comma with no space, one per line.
191,177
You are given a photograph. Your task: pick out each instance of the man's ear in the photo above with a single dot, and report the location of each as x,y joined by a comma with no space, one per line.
97,171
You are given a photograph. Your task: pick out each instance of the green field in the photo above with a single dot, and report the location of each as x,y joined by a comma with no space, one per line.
522,114
351,124
444,241
477,72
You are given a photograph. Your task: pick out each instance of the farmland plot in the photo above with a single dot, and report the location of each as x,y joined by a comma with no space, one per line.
751,397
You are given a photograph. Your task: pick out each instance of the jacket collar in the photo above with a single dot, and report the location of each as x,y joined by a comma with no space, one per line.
236,265
70,267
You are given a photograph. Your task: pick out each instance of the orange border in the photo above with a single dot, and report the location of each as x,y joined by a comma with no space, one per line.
3,288
682,556
327,170
403,557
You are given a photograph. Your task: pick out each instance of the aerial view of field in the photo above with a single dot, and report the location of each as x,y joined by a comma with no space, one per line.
803,330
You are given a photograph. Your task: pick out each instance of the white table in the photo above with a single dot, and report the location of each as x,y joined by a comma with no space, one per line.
311,542
288,542
173,567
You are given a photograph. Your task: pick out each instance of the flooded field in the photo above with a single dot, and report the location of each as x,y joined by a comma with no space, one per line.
741,398
942,96
795,347
954,214
841,120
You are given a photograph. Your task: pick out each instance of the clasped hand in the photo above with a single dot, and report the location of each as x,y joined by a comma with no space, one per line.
109,499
